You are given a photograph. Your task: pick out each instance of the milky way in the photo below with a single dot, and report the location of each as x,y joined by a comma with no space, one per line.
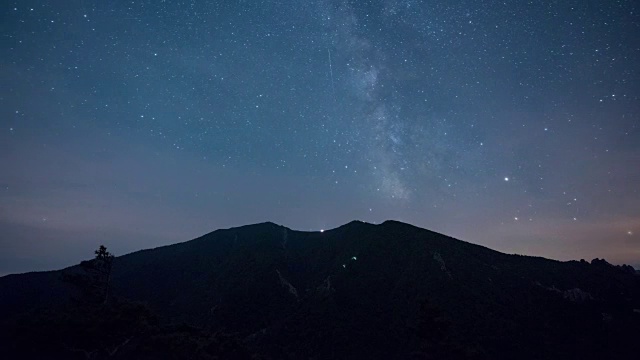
514,125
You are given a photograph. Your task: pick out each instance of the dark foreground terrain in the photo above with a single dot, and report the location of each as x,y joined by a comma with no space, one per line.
361,291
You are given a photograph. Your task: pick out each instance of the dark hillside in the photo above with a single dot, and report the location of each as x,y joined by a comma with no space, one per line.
369,291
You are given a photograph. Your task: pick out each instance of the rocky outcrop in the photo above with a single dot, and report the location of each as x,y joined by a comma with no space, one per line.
438,258
287,285
577,295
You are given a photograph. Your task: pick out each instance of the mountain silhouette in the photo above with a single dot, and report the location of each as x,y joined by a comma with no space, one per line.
360,291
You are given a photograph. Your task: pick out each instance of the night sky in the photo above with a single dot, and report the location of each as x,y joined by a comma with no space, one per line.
511,124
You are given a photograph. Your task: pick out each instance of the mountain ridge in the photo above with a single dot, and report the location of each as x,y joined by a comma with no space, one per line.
289,293
271,224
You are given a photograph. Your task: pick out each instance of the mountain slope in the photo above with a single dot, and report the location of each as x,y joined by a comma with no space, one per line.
370,291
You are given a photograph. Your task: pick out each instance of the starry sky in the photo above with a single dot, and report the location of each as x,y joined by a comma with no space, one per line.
140,123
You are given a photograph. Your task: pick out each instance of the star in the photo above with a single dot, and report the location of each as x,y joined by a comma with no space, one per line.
327,121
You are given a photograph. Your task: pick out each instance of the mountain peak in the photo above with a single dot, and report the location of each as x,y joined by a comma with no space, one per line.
396,224
262,225
356,223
